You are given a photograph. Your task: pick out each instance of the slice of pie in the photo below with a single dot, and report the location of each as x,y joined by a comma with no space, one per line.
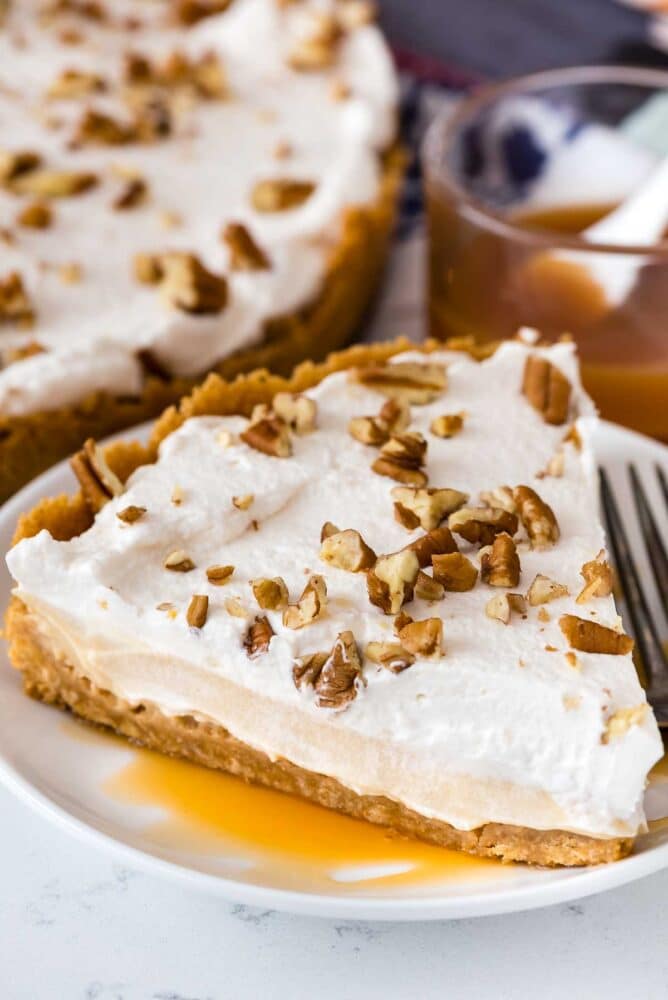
383,587
184,187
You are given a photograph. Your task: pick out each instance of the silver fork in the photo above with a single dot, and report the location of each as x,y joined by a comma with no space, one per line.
643,624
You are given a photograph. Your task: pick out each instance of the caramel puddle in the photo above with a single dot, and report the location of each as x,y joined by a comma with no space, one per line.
278,837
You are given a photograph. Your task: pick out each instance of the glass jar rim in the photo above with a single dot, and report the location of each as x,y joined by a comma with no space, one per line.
446,125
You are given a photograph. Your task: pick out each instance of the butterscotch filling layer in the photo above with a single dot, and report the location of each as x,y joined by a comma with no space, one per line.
368,766
48,677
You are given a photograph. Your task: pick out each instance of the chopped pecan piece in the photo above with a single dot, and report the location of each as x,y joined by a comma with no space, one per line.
15,304
258,636
547,389
336,685
501,497
179,561
147,268
297,411
403,618
454,571
391,582
328,529
98,482
621,721
428,589
394,415
543,590
347,550
435,542
245,254
260,411
187,285
243,502
219,575
390,655
14,163
71,84
54,183
405,517
368,430
572,436
130,514
333,676
71,273
28,350
189,12
406,381
502,606
423,638
270,593
306,669
137,69
153,120
197,612
234,607
209,78
499,562
447,425
429,505
89,10
134,191
555,466
537,517
480,525
310,605
590,637
269,435
35,215
98,128
317,50
204,77
598,578
401,458
280,195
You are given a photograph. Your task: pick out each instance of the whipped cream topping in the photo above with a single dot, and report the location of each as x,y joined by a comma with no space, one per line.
198,179
499,728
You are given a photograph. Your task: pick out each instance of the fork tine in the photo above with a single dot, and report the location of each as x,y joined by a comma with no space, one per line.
649,645
653,541
663,483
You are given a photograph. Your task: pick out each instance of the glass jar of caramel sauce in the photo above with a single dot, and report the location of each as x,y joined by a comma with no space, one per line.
512,181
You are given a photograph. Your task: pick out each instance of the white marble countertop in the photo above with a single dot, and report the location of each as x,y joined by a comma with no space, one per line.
75,924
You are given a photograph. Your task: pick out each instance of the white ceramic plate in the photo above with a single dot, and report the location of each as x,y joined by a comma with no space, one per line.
43,759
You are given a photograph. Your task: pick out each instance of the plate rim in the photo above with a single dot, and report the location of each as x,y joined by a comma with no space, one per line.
580,884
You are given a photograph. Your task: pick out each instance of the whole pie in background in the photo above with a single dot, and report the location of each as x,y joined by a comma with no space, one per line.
184,186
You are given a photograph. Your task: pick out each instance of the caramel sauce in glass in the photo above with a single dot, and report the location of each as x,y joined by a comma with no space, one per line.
485,284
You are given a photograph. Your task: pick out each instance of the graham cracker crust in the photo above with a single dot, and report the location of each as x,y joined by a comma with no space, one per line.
32,443
55,681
